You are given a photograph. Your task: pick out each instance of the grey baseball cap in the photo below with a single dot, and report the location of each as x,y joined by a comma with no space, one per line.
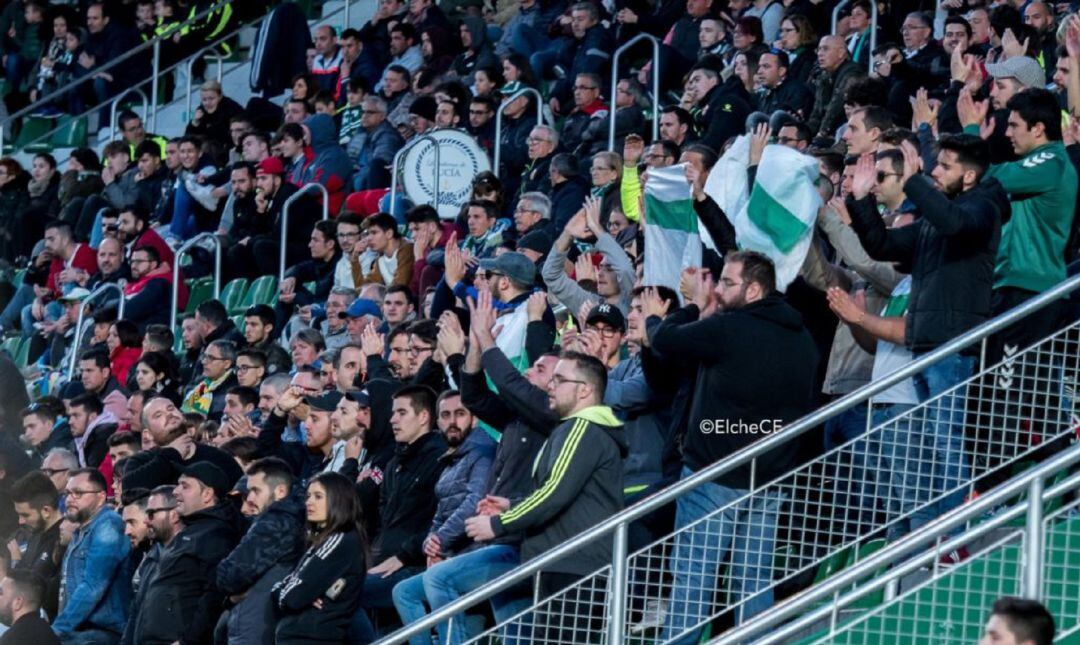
1025,70
513,265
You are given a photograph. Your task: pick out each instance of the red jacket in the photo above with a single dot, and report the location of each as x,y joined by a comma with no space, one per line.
85,258
123,359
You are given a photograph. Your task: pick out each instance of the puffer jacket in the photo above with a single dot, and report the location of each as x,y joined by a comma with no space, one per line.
264,556
331,166
460,488
182,603
577,482
635,403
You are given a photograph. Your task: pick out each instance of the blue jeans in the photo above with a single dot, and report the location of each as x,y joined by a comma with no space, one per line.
950,470
377,594
904,465
449,580
22,297
746,529
855,477
528,40
91,637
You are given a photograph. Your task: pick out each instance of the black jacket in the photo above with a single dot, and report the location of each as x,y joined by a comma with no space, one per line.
266,554
182,602
304,463
513,151
160,466
30,629
407,499
829,91
754,365
566,200
950,251
577,482
337,562
792,96
38,559
317,271
723,113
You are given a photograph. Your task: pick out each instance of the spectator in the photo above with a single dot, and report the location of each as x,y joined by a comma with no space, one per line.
214,324
266,553
13,202
1024,621
182,601
380,145
394,264
719,109
587,109
37,504
149,294
94,576
836,72
155,373
782,92
587,52
330,167
208,395
95,369
320,269
91,427
43,430
21,597
320,595
213,115
106,42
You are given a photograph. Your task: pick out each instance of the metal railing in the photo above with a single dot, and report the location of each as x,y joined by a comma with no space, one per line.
307,188
746,457
396,168
655,86
116,104
75,85
108,286
910,554
873,28
498,118
180,253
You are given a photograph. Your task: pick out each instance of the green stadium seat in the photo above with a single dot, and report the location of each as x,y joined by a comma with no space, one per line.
233,294
263,291
238,320
11,346
23,357
17,279
32,136
833,563
201,290
72,133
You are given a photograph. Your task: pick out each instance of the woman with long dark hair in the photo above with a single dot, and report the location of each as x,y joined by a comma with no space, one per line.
318,599
155,372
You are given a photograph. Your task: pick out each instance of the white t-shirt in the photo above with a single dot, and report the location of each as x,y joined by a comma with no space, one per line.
890,357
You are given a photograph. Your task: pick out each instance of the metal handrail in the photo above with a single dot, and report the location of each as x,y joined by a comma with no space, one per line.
747,455
102,288
155,41
190,66
285,218
180,252
397,160
836,14
498,117
897,553
116,104
655,83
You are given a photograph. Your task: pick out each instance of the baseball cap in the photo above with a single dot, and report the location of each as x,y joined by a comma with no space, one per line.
78,294
513,265
326,402
210,475
608,314
359,396
1025,70
362,307
270,166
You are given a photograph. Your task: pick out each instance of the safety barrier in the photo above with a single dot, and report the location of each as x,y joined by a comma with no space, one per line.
103,288
116,104
285,219
190,65
873,28
180,253
655,84
616,526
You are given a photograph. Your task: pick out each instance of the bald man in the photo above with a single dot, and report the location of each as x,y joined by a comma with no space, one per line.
838,72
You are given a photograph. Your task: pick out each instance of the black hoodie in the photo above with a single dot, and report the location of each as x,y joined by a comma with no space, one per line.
755,369
182,602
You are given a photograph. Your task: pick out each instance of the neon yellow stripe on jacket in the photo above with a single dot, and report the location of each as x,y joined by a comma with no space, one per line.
561,464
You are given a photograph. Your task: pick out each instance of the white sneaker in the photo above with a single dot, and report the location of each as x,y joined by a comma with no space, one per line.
652,618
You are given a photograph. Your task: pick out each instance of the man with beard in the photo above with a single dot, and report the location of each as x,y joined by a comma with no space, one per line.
459,489
756,368
162,524
35,500
315,455
951,251
21,596
266,553
95,583
174,450
247,222
148,295
182,602
134,231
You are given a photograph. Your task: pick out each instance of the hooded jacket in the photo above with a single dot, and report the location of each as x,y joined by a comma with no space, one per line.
331,166
950,251
460,488
756,370
266,554
578,482
723,113
182,603
407,500
479,53
379,447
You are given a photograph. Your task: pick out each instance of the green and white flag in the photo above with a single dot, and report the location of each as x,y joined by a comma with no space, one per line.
509,333
776,216
672,241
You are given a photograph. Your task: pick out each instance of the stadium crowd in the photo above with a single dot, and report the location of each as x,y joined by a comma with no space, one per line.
426,403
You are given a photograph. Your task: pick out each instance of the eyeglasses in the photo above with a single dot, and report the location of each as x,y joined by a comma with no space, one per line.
882,175
532,140
585,87
207,358
54,471
416,351
478,112
605,332
347,235
559,380
786,140
80,493
244,368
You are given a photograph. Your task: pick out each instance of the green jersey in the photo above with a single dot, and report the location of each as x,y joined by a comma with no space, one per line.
1042,193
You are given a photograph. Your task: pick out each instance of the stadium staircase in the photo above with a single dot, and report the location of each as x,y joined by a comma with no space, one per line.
842,566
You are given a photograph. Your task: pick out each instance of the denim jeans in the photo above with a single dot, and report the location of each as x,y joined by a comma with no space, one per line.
91,637
904,465
944,428
528,40
22,297
856,486
377,594
746,529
